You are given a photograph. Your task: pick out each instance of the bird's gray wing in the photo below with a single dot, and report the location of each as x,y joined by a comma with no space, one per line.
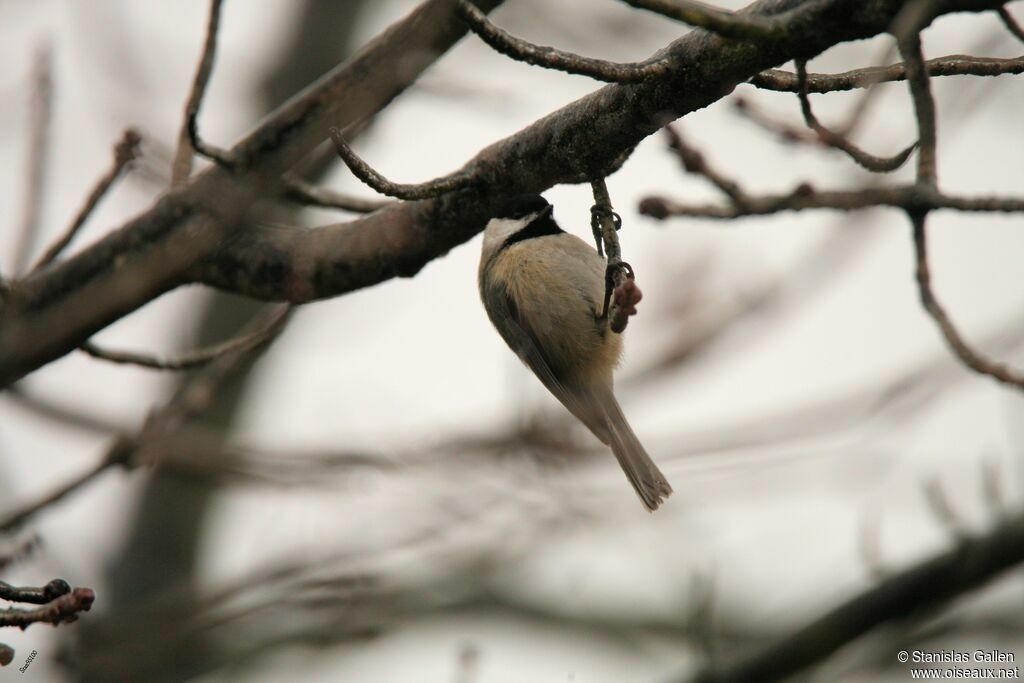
515,329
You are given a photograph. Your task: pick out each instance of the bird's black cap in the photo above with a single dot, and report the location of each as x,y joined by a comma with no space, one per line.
520,205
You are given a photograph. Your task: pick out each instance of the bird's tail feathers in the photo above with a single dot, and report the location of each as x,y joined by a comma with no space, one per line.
648,481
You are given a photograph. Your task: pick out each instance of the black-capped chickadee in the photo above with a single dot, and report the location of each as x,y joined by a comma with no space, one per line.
544,291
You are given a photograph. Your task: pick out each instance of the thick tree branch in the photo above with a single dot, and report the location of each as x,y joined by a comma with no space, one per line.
52,312
927,586
583,140
183,238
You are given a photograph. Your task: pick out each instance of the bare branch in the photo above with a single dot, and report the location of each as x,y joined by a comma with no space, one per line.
37,155
298,190
924,109
553,58
927,586
840,142
196,358
61,606
693,162
819,135
176,241
67,415
723,22
951,65
970,357
124,153
459,180
117,454
32,595
193,398
804,197
188,138
55,310
61,610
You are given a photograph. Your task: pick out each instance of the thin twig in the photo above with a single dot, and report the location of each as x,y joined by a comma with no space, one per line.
61,605
951,65
38,150
621,293
804,197
298,190
33,595
963,351
694,162
432,188
62,610
1011,24
829,137
784,130
66,415
553,58
193,398
117,454
193,359
189,141
723,22
924,110
819,135
124,153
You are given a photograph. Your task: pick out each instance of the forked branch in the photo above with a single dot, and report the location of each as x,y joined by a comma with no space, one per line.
189,141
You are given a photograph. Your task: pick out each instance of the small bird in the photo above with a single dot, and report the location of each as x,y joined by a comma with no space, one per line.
543,290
